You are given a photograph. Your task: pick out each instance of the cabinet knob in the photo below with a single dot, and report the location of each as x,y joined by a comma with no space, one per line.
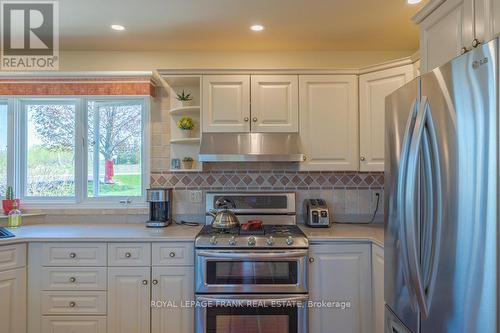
476,42
72,304
171,254
246,119
254,119
311,260
72,255
128,255
145,282
464,50
72,279
155,282
362,158
304,158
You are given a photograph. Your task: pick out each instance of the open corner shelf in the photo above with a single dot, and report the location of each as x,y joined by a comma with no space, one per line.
185,110
186,140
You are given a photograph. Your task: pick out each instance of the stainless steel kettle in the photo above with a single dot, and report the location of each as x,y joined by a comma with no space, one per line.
223,218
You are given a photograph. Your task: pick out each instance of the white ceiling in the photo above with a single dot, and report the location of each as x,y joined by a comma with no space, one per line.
364,25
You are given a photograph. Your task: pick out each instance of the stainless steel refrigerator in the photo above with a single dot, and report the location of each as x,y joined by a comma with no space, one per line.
442,212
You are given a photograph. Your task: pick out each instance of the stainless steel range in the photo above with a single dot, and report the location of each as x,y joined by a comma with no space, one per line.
252,278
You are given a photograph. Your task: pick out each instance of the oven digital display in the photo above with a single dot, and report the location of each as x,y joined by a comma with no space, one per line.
251,272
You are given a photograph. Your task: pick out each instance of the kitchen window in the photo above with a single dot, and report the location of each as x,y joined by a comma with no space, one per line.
77,151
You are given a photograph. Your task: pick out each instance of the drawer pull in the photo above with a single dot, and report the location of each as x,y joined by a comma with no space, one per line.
128,255
172,254
72,255
155,282
145,282
72,304
72,279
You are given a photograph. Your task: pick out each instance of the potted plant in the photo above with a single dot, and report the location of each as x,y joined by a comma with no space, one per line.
184,98
8,203
186,125
187,163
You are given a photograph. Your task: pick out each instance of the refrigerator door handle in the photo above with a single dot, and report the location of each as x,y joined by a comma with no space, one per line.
433,218
401,193
411,209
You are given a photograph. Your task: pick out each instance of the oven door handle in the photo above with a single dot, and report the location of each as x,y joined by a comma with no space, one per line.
253,255
265,300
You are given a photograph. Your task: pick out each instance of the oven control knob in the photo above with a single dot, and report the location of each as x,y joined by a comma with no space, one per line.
232,240
251,241
270,241
213,240
289,240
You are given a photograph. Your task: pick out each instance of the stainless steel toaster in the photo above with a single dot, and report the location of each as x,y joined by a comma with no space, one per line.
316,213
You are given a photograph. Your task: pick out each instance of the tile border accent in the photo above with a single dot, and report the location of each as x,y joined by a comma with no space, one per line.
278,180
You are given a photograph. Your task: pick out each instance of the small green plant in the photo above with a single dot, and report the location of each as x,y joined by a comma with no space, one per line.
185,123
9,194
187,159
184,97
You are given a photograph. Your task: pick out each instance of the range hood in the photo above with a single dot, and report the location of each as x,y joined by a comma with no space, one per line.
250,147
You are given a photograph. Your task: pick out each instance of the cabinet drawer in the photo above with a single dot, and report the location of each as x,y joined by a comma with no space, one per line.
84,278
74,254
129,254
12,256
73,302
173,254
74,324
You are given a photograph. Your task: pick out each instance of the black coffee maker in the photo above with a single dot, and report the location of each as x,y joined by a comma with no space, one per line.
160,207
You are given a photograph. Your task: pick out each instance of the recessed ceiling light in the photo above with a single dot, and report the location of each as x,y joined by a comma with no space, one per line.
257,27
413,2
117,27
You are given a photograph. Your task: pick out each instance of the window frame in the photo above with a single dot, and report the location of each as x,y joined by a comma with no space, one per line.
17,154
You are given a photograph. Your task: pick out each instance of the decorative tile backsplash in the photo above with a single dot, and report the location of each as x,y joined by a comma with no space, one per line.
275,180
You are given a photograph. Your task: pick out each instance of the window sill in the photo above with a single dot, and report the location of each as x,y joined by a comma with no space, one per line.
4,217
85,207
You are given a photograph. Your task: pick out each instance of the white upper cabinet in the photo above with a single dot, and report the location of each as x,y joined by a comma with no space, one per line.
329,121
226,103
274,103
453,27
445,32
373,88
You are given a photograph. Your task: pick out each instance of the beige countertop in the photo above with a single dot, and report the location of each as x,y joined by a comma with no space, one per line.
139,233
100,232
346,232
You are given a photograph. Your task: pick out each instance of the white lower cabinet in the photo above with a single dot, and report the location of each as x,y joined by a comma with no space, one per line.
128,300
340,274
114,297
174,285
378,288
73,324
13,301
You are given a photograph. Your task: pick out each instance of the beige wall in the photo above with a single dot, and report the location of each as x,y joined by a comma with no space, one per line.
146,61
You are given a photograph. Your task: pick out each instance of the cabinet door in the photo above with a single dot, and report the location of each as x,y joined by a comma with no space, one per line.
373,88
226,103
274,106
445,31
73,324
378,288
340,273
329,122
128,299
174,285
486,19
13,301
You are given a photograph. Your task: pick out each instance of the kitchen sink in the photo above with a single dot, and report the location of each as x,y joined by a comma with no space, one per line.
4,233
